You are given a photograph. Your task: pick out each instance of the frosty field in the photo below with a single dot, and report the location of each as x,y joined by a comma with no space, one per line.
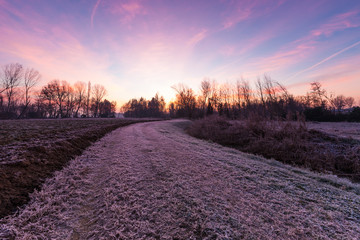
153,181
341,129
31,150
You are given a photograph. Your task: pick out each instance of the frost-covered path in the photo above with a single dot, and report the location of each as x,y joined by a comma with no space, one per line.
152,181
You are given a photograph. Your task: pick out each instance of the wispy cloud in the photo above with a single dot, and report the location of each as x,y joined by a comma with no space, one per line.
284,58
337,77
138,39
61,54
340,22
227,50
94,12
127,11
325,59
240,15
197,37
309,46
242,10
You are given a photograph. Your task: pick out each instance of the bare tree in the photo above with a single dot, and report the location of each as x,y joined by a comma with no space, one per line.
225,98
260,89
79,91
69,99
214,96
185,100
205,89
339,102
48,94
31,78
99,92
281,88
58,91
349,102
88,99
318,95
238,93
269,89
11,77
245,91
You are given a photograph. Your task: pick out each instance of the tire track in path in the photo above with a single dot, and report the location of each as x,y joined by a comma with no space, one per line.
152,181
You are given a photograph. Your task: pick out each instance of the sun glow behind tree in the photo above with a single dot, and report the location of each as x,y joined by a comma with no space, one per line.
139,48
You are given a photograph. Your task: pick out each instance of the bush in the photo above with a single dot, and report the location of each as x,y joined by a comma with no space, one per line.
288,142
354,116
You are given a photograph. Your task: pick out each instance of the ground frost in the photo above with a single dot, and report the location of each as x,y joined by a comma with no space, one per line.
152,181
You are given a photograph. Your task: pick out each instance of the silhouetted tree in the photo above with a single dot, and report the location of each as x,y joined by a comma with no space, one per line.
11,77
107,108
31,78
88,96
140,108
80,96
185,101
98,93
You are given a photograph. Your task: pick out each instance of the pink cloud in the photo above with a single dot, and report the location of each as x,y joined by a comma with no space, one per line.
241,50
285,58
327,59
132,7
340,22
227,50
242,10
257,40
338,78
308,46
13,10
232,50
197,37
60,54
127,11
238,16
346,84
94,12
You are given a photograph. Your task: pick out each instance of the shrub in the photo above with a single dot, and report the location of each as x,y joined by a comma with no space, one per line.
285,141
354,116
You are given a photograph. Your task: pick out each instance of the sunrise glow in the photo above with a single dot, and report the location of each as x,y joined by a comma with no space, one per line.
138,48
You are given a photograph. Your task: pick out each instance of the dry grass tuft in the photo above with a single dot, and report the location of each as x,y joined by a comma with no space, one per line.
31,150
287,142
153,181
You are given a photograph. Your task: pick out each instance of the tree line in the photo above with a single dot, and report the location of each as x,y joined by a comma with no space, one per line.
240,100
267,99
20,97
142,108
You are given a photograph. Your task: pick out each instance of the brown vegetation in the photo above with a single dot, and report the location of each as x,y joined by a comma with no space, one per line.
142,108
19,97
266,98
153,181
32,150
287,142
340,129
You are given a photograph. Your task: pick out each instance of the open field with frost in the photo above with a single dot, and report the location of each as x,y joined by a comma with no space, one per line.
31,150
319,147
153,181
340,129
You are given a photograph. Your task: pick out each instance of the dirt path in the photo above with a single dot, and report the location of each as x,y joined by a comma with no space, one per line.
152,181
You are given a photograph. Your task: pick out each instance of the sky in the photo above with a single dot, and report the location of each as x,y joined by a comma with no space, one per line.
143,47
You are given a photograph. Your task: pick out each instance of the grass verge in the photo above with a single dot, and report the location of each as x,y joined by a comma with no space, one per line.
287,142
28,161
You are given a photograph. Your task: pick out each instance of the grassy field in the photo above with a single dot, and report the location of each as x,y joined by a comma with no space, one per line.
339,129
323,147
154,181
31,150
